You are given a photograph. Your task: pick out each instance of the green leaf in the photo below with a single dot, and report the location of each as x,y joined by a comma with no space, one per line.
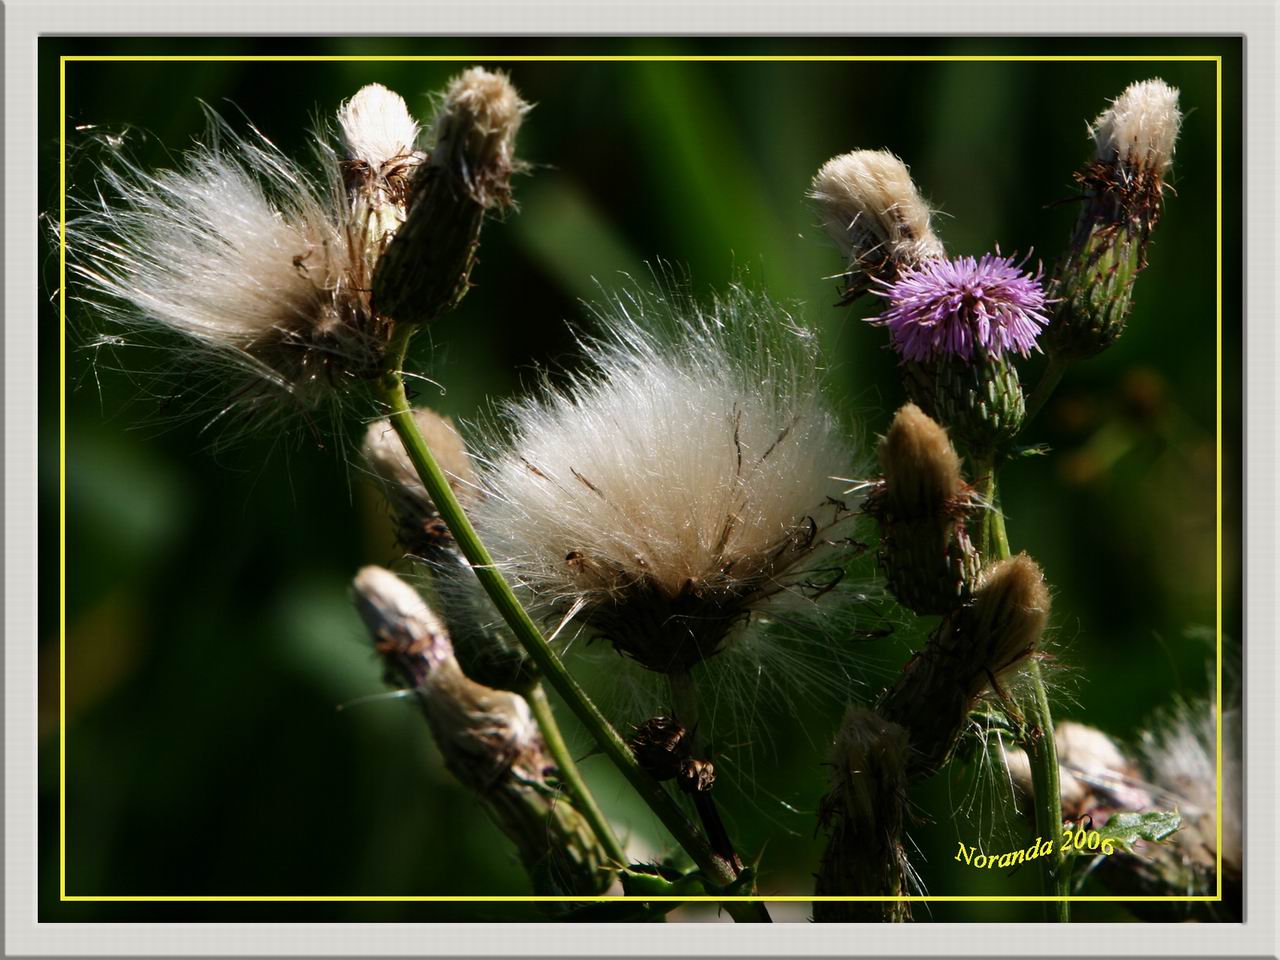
1126,829
1032,450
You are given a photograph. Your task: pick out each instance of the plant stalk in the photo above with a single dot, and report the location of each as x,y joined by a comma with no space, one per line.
719,871
583,799
1040,746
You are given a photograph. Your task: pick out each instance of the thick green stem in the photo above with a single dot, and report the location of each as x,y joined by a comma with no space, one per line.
1039,743
717,869
569,773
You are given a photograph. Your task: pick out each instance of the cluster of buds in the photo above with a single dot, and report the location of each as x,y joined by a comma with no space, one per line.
912,732
294,283
864,815
1123,190
483,645
922,504
488,738
955,323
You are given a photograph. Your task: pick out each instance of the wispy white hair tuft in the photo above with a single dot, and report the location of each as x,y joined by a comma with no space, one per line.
246,266
872,211
1180,752
377,128
683,488
1140,128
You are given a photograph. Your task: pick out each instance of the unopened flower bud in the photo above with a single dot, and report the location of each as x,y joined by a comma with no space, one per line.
482,642
972,650
419,527
1008,616
427,269
863,816
378,137
921,506
488,738
1123,195
875,215
980,400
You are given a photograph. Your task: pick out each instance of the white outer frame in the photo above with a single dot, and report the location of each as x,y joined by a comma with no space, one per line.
26,20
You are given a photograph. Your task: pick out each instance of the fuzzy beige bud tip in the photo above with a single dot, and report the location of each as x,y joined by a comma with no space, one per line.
377,128
921,467
402,625
872,210
871,758
475,131
1141,127
1010,612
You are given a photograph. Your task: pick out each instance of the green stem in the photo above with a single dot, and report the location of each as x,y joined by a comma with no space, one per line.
664,806
570,774
1048,383
1040,746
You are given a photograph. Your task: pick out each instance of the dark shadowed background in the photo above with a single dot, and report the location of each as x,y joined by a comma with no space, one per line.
209,635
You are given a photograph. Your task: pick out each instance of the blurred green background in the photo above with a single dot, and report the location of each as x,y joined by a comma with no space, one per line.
210,638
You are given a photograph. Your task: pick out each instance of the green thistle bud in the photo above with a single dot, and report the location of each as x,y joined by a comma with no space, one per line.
488,738
980,400
863,816
921,506
971,651
426,269
1123,191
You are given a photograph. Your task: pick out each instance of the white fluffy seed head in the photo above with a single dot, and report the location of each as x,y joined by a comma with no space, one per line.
1140,128
1180,753
683,488
251,262
871,209
377,128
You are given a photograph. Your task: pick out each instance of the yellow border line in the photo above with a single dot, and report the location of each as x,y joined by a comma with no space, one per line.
620,58
62,481
1218,483
62,469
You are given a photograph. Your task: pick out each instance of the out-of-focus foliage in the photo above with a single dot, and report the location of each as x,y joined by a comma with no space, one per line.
210,640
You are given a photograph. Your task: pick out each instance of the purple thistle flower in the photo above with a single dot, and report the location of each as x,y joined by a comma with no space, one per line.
952,306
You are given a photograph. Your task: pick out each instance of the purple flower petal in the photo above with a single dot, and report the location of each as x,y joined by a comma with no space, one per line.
956,306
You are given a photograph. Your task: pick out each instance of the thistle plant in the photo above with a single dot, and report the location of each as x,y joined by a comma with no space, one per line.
958,326
680,498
